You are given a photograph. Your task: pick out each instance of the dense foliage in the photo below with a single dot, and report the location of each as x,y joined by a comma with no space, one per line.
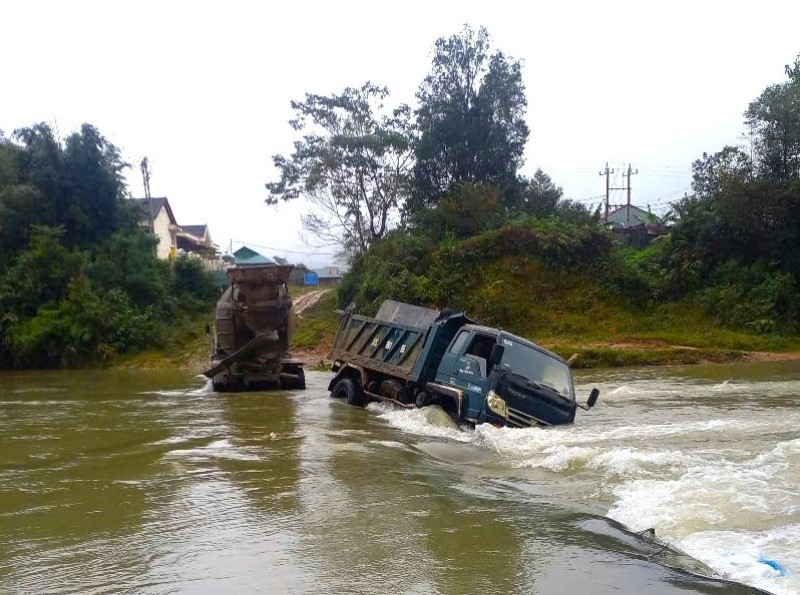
470,120
733,251
79,280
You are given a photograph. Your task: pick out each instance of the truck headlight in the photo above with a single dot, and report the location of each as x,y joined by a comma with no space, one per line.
497,404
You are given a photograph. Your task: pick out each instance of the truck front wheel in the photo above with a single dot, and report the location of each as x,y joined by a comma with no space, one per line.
347,388
422,399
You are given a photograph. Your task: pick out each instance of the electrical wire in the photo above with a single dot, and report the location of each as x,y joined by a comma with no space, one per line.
307,252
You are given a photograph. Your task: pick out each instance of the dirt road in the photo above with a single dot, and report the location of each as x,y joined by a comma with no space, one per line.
307,300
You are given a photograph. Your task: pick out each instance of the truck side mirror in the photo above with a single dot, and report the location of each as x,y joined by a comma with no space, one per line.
592,398
496,354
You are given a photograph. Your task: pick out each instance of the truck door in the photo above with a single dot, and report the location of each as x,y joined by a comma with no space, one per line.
451,357
471,372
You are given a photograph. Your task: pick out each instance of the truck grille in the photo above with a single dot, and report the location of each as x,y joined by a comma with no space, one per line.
519,419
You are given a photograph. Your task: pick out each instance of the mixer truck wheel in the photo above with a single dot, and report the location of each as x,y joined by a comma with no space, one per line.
300,383
347,388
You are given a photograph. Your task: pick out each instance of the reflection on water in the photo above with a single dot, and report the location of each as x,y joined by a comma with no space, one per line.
150,482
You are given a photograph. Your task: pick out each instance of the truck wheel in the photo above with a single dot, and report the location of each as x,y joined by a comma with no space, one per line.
347,388
300,383
422,399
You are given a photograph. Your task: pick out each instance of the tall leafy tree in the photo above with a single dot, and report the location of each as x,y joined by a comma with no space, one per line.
352,164
470,118
77,185
98,187
774,122
540,195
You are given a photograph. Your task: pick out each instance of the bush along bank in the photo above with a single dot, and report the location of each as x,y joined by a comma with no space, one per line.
79,280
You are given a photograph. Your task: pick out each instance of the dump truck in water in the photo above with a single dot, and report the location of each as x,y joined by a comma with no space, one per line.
253,332
416,356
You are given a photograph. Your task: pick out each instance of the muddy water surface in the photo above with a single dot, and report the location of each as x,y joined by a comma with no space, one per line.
151,483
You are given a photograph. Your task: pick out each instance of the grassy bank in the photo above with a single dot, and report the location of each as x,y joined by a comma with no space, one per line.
314,330
602,336
187,347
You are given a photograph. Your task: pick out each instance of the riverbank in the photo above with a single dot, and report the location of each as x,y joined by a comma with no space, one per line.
189,346
705,344
316,325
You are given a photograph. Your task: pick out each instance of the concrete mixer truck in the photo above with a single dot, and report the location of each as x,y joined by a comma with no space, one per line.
252,332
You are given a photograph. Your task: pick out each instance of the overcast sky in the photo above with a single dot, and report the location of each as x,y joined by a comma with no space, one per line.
203,88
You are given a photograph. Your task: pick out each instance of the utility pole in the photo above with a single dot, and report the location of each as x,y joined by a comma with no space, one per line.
145,167
607,173
629,191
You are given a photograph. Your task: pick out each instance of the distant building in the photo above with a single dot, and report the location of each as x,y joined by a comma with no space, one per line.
164,224
634,226
331,275
246,256
297,276
195,238
631,216
173,239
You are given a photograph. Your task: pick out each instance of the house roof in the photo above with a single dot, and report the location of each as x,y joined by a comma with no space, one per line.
620,214
196,230
631,207
158,203
245,255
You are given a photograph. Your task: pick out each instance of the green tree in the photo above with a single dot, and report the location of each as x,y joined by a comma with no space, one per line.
774,122
470,119
97,186
352,164
78,185
540,195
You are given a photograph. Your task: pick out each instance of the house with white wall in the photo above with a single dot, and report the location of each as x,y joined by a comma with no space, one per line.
165,226
173,239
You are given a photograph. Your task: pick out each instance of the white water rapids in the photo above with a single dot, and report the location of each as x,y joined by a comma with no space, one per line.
712,464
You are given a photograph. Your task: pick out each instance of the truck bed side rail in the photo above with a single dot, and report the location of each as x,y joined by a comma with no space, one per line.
388,347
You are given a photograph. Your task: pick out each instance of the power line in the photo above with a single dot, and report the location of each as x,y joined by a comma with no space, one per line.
307,252
588,198
660,198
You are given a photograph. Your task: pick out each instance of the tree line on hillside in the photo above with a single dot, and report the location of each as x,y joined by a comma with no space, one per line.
79,280
407,193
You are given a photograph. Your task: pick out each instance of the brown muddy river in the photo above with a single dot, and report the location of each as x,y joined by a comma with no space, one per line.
133,482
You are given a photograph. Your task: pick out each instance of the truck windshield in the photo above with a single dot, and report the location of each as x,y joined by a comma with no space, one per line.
537,366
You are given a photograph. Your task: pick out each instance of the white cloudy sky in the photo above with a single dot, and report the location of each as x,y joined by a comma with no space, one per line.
203,88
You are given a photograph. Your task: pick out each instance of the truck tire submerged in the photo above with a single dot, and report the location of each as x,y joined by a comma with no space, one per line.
348,388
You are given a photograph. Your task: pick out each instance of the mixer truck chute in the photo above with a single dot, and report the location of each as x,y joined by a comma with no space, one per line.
253,331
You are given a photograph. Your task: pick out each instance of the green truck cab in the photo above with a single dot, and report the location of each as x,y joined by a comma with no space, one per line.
416,357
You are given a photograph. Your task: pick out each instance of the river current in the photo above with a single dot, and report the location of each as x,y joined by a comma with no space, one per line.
680,480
